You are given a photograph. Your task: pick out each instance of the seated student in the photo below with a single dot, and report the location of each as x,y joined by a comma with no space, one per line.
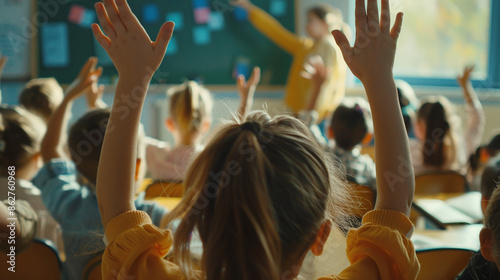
439,145
190,116
484,264
74,205
21,134
42,97
25,225
350,127
261,192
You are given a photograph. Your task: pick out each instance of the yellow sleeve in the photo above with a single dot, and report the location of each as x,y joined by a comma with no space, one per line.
136,249
381,249
272,29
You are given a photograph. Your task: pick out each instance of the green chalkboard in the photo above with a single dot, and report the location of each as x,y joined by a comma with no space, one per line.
212,63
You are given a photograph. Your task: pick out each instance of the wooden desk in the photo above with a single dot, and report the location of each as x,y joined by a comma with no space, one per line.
463,237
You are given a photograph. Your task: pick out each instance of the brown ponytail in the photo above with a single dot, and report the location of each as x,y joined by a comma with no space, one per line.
439,145
257,194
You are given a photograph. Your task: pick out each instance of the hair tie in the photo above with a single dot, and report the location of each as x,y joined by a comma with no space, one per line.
251,126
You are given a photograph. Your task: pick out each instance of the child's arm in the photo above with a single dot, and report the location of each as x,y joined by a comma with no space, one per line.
94,97
136,58
270,27
476,118
371,60
246,91
54,141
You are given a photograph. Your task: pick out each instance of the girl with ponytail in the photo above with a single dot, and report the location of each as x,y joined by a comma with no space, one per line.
439,145
262,194
189,117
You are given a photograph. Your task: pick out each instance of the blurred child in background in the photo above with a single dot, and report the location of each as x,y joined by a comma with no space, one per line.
72,204
21,134
42,97
480,159
440,146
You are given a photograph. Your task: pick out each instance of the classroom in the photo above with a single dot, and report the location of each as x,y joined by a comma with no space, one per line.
249,139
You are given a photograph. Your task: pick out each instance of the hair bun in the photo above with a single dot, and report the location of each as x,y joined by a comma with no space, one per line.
254,127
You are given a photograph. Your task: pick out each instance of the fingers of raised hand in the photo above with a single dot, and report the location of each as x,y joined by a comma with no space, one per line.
396,29
255,78
114,16
104,21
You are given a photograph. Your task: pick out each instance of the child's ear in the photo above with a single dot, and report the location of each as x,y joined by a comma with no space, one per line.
169,124
484,204
486,239
137,168
321,238
367,140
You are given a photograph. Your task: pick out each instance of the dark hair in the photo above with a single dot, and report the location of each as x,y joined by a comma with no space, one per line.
491,150
492,222
350,124
257,194
490,178
41,97
435,151
21,134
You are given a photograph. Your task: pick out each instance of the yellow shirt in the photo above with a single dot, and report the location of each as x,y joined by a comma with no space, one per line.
379,249
298,89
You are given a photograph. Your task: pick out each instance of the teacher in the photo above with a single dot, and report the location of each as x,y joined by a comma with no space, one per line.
321,20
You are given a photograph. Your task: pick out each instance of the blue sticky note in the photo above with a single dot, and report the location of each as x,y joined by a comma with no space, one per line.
278,8
242,67
177,18
173,47
150,13
55,45
240,14
197,4
216,21
201,35
88,18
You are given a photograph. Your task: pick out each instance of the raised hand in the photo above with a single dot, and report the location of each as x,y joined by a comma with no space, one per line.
88,75
94,97
126,41
246,90
316,71
375,46
464,78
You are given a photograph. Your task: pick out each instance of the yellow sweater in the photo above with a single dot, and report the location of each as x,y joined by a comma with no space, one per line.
298,89
379,249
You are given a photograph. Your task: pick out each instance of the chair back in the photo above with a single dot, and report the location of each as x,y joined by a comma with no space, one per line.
440,182
442,263
364,199
92,270
369,150
39,261
164,189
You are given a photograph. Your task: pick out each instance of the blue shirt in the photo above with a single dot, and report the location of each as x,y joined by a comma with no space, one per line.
75,208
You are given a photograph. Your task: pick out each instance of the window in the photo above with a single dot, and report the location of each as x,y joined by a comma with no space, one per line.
442,36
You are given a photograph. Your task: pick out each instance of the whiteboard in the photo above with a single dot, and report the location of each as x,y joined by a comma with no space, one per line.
18,28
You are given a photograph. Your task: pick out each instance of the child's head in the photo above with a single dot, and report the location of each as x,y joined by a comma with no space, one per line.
408,102
351,124
190,112
42,97
435,127
259,195
85,143
322,19
490,234
483,154
21,134
489,181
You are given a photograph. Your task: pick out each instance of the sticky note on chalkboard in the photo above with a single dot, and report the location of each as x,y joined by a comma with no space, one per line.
173,47
88,18
202,15
240,14
201,35
278,8
76,14
55,45
241,67
216,21
198,4
176,17
150,13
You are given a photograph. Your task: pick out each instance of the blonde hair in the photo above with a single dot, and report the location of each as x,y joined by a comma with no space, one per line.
257,194
189,104
42,97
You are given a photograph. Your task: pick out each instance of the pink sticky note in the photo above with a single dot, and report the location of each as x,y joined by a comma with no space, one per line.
202,15
76,14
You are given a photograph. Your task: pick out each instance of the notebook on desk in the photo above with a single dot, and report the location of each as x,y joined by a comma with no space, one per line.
464,209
